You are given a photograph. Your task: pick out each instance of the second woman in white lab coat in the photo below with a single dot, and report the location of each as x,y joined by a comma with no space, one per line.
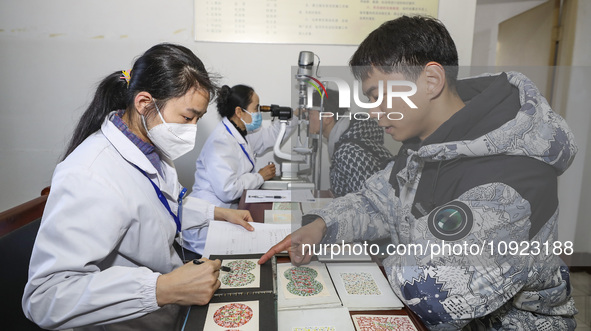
227,163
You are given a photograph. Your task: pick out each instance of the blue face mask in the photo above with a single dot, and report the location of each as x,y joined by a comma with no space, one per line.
257,120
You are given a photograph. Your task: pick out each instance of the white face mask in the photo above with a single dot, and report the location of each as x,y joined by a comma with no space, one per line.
172,139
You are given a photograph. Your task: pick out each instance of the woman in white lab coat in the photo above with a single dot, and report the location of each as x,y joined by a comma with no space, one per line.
104,252
226,164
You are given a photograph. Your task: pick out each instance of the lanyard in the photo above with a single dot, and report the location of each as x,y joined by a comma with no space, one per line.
241,146
177,218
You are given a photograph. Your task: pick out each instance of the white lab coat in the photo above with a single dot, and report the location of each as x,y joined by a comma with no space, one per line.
223,169
105,237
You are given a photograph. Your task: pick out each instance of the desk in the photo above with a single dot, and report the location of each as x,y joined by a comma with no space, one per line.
257,210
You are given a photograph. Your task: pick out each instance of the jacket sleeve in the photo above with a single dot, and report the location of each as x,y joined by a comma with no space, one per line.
83,223
361,215
451,281
222,163
196,212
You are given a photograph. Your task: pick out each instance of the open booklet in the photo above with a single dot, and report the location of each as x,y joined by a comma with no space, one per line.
305,287
246,300
362,286
224,238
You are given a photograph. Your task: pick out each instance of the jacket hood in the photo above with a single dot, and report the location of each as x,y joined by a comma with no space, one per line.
504,114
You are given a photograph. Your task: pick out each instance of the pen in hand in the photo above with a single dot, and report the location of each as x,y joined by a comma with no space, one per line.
223,268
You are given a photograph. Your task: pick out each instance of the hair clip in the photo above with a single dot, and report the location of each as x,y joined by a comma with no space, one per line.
126,76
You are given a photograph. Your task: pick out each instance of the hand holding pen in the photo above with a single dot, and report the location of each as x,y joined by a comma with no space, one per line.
222,268
193,283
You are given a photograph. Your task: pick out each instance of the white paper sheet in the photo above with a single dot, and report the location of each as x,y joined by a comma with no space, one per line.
337,319
256,196
224,238
302,196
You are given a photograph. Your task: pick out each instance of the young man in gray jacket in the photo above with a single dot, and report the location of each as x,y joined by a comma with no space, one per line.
470,201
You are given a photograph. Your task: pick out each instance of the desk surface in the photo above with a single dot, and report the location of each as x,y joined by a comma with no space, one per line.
257,210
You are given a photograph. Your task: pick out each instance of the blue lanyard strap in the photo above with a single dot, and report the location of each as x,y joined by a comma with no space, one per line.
177,218
241,146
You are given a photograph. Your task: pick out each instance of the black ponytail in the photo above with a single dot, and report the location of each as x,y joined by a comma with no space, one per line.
165,71
230,98
110,95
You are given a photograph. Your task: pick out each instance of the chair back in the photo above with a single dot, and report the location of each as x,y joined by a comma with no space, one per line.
18,230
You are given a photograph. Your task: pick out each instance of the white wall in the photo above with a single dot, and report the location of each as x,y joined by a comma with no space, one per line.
572,99
575,185
488,16
53,53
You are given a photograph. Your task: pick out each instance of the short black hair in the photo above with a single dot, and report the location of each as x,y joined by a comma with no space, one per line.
331,102
405,45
